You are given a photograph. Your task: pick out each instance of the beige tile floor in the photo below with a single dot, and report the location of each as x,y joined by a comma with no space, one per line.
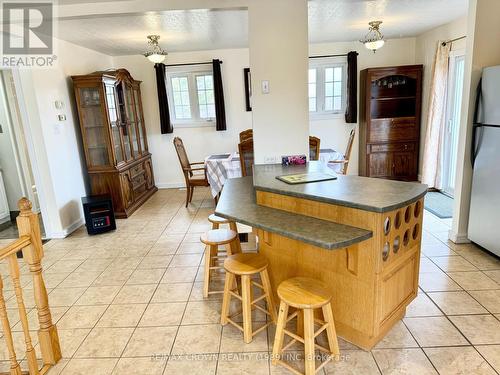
130,302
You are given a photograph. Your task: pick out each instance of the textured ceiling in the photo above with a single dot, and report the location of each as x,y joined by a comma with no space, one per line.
180,30
190,30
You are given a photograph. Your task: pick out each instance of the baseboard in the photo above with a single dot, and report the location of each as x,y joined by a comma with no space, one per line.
458,237
171,185
69,229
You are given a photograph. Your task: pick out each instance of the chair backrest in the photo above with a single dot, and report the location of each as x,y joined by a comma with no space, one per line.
348,150
246,134
245,149
314,148
182,155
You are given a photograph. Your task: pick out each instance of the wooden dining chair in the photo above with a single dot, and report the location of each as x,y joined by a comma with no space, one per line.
192,179
246,134
245,149
347,155
314,148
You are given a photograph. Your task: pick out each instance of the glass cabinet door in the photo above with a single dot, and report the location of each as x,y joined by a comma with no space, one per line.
94,127
132,120
124,121
140,121
114,122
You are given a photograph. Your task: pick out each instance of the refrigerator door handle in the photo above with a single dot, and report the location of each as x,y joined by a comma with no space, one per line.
477,138
476,124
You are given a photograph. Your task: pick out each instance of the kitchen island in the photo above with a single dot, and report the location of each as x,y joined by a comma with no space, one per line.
359,235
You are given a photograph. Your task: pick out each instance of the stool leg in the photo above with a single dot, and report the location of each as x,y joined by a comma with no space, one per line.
280,333
235,245
310,363
246,295
206,278
215,225
330,330
300,323
226,300
266,283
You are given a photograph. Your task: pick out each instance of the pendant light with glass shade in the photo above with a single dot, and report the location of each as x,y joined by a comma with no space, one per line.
374,39
155,53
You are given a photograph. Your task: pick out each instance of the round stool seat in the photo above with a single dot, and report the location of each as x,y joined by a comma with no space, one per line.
213,218
304,293
218,236
245,263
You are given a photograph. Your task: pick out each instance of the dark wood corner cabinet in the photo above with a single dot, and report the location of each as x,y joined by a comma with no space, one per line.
114,138
390,103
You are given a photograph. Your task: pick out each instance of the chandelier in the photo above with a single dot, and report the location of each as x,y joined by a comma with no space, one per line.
155,53
374,39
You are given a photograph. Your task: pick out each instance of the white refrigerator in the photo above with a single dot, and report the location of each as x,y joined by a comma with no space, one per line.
484,218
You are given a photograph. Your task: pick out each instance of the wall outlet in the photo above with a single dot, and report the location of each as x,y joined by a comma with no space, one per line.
270,160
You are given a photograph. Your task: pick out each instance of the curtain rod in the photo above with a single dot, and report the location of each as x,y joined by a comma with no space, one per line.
322,56
454,40
204,63
184,64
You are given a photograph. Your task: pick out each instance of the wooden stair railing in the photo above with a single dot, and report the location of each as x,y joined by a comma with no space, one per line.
30,242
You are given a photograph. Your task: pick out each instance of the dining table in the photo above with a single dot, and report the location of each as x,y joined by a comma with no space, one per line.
220,167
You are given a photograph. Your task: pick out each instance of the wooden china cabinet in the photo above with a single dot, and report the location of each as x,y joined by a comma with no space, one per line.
114,138
390,104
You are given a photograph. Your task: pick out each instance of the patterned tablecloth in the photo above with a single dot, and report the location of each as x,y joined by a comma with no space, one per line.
224,166
220,168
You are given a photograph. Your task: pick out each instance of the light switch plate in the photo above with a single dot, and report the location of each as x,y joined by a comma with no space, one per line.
265,87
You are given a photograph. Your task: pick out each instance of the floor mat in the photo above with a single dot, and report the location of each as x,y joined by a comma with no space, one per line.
439,204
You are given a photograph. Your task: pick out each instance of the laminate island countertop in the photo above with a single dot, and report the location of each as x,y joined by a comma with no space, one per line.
370,194
237,203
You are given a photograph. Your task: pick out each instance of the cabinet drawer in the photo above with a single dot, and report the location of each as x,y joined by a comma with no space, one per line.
138,181
137,170
392,147
387,130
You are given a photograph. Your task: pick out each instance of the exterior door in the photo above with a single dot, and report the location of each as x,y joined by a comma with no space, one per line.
450,139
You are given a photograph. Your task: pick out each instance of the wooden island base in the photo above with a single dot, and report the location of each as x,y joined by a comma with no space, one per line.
372,281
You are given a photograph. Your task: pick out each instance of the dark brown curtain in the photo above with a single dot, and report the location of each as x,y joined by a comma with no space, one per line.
351,111
220,108
161,85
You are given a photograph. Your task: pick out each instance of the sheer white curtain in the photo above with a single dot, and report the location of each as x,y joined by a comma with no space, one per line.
436,121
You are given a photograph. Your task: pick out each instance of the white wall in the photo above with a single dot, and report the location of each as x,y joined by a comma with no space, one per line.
56,144
278,43
199,141
426,45
334,133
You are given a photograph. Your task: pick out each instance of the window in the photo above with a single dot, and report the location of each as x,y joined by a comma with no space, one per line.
191,96
327,88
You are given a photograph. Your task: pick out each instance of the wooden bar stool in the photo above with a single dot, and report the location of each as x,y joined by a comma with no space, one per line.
245,265
213,257
305,295
217,221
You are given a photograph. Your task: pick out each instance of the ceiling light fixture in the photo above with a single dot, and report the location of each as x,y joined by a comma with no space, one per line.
155,53
374,39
